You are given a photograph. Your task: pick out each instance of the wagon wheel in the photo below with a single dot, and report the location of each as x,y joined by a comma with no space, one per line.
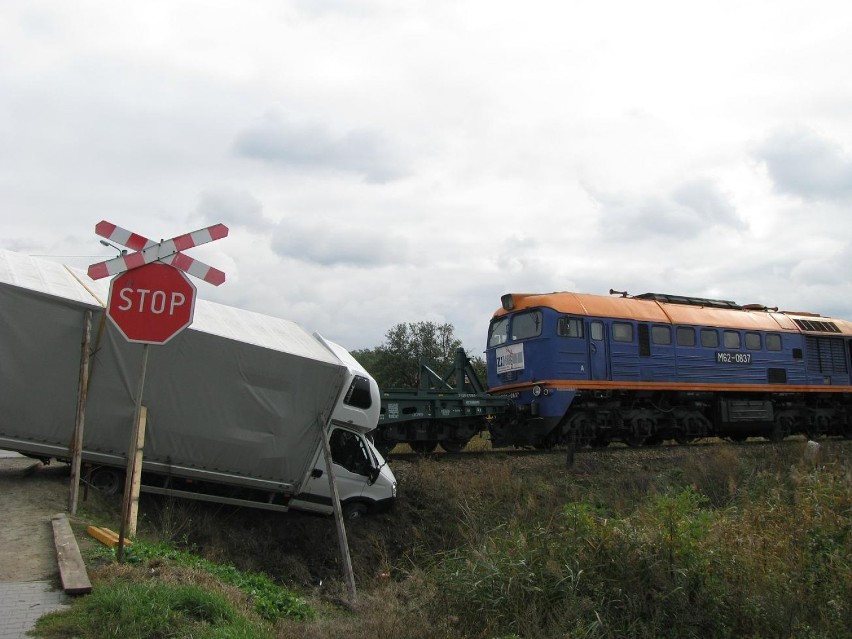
423,447
453,445
384,446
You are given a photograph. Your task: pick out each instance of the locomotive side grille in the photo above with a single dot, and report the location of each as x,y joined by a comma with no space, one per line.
826,355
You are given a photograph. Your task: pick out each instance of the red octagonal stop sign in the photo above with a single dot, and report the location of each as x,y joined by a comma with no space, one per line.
152,303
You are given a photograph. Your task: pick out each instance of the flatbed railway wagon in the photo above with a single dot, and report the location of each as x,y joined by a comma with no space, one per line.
646,368
444,410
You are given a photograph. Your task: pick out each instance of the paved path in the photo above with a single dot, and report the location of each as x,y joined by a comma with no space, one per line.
22,602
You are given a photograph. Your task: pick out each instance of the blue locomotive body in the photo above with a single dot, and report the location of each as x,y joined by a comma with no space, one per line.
652,367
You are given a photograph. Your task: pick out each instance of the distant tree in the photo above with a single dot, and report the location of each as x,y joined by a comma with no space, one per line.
396,363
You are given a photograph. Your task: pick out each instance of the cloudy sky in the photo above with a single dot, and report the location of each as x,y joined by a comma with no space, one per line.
387,161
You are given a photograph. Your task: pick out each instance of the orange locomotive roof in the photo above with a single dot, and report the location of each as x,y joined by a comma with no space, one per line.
649,310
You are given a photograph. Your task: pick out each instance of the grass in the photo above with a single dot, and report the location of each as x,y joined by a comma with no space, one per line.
701,541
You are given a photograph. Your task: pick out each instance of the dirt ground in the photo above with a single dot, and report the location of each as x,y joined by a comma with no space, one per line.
30,494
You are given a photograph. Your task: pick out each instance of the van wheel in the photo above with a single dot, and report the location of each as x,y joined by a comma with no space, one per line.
106,480
354,510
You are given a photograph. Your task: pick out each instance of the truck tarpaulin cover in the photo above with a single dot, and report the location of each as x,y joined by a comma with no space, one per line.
237,393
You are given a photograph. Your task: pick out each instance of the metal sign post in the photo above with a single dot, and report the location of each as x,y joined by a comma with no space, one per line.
83,385
348,573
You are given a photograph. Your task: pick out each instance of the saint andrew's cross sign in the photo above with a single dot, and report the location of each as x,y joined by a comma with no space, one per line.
151,300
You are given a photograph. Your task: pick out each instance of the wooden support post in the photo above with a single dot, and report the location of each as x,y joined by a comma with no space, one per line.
131,460
82,390
338,515
136,480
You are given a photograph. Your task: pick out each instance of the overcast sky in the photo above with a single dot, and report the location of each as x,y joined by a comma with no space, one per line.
393,161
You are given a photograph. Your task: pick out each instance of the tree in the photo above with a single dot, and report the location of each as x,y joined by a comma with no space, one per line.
396,363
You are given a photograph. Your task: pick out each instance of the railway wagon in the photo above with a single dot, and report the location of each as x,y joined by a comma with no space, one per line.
446,411
646,368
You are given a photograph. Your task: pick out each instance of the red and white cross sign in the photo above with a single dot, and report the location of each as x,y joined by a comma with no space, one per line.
167,252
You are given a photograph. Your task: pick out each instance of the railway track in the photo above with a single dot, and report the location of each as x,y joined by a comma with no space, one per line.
476,449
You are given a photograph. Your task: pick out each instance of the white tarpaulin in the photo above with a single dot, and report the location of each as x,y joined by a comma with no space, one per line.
237,393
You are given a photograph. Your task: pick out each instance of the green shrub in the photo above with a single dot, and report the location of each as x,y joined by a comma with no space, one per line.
270,601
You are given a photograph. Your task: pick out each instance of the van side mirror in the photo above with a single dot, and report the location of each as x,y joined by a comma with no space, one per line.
316,473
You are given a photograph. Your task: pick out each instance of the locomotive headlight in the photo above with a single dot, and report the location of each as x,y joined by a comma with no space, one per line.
536,390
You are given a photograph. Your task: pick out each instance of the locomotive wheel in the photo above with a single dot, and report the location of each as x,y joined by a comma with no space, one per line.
779,430
634,440
423,447
453,445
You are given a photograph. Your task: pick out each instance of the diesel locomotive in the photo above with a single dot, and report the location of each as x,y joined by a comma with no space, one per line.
641,369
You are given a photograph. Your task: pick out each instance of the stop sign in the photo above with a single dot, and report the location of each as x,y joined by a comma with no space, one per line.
152,303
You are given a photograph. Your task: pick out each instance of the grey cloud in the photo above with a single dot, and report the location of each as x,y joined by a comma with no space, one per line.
336,245
683,212
704,198
362,151
802,163
830,270
233,208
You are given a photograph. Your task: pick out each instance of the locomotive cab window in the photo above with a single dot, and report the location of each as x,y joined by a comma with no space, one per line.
499,332
685,336
622,332
526,325
773,342
709,338
596,330
732,339
570,327
661,335
752,341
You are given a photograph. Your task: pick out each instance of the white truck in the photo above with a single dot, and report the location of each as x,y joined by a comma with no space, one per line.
235,403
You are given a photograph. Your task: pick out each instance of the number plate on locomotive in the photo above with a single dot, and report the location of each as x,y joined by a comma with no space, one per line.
728,357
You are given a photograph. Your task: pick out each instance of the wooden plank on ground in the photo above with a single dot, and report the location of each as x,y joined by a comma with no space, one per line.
72,570
106,536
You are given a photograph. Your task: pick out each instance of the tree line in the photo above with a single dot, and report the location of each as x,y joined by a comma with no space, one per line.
396,362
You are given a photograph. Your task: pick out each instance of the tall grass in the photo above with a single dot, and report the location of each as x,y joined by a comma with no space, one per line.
715,541
768,556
